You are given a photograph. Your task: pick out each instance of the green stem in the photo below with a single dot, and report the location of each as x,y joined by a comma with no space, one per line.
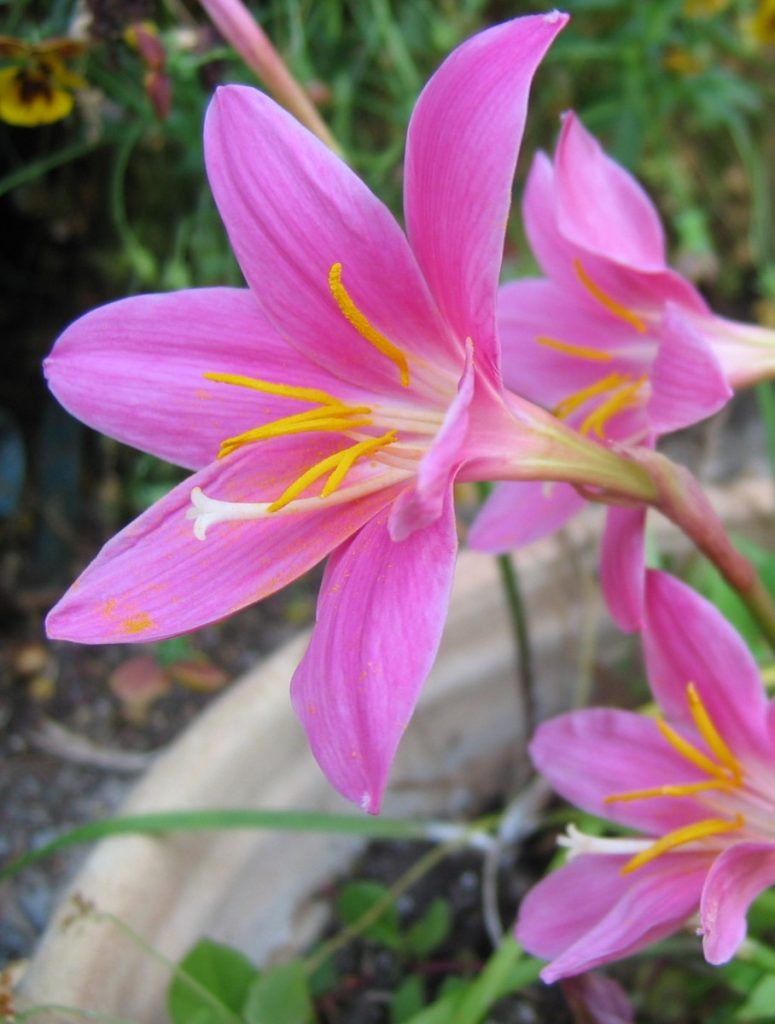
766,400
524,653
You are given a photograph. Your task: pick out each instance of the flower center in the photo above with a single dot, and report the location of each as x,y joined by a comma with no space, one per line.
329,414
613,393
724,773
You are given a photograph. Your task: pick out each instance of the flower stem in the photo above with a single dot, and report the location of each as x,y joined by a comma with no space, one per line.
524,653
682,500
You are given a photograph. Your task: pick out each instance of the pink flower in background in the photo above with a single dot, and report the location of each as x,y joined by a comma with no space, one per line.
329,408
612,340
699,786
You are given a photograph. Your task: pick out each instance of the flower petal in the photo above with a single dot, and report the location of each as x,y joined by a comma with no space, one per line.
676,645
746,351
156,579
419,506
519,513
641,292
381,611
134,369
616,916
737,877
600,207
292,210
688,383
601,752
622,566
466,132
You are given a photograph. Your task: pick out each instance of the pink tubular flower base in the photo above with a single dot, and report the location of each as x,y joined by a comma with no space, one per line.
699,786
328,408
612,340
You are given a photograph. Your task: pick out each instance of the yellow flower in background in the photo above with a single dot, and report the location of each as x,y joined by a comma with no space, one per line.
37,88
704,8
763,22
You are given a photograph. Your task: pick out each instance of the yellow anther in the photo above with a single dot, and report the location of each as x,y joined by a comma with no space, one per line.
354,316
691,753
680,789
311,421
270,388
333,464
710,734
573,402
680,837
605,300
582,351
620,400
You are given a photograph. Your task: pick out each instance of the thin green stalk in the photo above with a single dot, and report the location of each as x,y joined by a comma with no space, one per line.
766,399
211,820
518,621
524,652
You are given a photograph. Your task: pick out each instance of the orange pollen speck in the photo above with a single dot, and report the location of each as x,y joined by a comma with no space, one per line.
137,623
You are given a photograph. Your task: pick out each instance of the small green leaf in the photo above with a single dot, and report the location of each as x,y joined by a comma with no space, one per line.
360,898
408,1000
761,1003
428,933
280,996
217,971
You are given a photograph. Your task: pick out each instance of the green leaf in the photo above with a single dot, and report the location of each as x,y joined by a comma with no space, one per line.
760,1005
280,996
221,977
359,898
430,931
408,999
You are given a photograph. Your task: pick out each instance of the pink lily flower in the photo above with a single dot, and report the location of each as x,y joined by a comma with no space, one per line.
612,340
328,408
700,785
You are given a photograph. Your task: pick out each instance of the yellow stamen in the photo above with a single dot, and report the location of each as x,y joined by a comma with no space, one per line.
354,316
690,752
270,388
710,734
333,463
617,402
300,423
605,300
569,405
680,789
689,834
582,351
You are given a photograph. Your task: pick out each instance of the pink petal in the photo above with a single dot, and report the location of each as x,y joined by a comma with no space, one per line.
622,566
600,752
642,292
737,877
461,153
746,351
293,209
135,369
519,513
687,640
587,914
156,579
381,611
687,381
537,308
421,505
600,207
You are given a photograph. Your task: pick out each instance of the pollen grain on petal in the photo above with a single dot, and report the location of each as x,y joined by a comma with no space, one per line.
139,623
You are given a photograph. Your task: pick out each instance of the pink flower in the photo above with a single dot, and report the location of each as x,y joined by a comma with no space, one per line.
612,340
329,408
701,788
